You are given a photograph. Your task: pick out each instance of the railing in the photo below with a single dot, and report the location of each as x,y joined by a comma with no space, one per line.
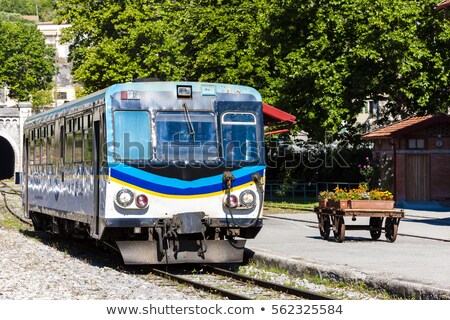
301,190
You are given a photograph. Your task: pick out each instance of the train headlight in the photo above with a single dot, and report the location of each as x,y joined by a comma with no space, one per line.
231,201
248,198
141,201
124,197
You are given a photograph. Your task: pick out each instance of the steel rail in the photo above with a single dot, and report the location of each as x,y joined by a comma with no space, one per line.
210,289
267,284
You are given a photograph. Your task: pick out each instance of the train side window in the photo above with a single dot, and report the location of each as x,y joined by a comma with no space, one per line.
50,143
37,151
69,141
78,140
88,138
31,152
88,145
69,148
78,151
239,137
43,150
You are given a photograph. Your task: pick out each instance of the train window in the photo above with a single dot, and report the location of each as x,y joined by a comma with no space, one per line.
186,137
132,135
69,127
37,151
78,151
69,148
43,151
87,121
88,145
31,153
239,137
78,124
50,145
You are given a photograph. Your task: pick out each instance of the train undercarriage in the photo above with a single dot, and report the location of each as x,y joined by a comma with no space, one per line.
185,238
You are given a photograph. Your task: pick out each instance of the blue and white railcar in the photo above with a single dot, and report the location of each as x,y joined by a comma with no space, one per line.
166,172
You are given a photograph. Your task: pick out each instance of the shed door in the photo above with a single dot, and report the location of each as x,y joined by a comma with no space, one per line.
418,177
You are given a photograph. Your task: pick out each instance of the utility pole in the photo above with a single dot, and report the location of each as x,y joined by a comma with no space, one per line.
37,11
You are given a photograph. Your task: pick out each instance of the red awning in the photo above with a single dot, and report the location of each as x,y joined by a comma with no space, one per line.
273,116
277,117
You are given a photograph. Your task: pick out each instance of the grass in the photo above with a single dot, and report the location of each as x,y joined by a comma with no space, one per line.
336,289
8,221
294,206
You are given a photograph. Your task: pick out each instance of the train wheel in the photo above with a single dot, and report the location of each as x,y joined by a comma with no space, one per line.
375,225
324,226
339,229
38,222
391,227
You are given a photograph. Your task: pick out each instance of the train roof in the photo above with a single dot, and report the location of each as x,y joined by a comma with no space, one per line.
98,97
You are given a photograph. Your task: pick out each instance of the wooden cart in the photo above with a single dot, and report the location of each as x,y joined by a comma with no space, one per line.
333,219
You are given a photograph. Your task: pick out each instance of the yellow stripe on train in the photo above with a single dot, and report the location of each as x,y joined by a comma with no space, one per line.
172,196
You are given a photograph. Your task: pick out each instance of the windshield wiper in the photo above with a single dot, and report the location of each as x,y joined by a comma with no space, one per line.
188,117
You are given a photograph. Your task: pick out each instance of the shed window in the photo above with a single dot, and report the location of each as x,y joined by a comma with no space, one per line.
416,143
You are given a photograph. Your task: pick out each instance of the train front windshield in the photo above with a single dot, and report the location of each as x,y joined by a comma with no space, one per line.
186,136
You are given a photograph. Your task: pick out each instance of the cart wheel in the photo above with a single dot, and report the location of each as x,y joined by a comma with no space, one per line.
375,225
391,228
324,226
339,229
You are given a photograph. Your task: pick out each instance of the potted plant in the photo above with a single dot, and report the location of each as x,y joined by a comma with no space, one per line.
339,199
361,198
324,196
357,198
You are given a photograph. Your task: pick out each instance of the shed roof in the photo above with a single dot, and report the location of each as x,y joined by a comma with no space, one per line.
406,126
273,115
442,5
277,117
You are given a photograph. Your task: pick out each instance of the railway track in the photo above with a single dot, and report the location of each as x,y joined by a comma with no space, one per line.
235,286
7,191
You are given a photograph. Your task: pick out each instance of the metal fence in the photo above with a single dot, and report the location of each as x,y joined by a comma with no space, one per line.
301,190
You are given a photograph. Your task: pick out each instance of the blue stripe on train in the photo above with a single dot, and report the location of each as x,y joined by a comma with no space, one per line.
156,183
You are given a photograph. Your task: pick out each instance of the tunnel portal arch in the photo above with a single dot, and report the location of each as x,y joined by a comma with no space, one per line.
9,157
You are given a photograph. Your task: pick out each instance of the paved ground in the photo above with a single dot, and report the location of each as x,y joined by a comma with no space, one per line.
411,266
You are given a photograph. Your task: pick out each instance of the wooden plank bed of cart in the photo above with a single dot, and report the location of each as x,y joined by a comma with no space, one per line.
333,219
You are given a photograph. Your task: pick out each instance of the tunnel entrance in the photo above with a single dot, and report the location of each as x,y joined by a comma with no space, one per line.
6,159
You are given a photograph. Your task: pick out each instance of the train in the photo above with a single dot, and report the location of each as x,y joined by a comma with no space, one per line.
163,172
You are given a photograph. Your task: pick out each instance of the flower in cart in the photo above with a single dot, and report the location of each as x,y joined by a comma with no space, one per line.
326,195
339,194
359,193
377,194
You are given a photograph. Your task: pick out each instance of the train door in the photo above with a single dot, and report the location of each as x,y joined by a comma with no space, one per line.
97,146
26,213
241,132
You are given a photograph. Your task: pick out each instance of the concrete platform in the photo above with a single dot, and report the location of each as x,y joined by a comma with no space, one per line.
416,265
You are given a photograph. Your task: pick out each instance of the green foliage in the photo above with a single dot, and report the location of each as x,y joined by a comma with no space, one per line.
6,16
316,59
29,7
42,98
26,63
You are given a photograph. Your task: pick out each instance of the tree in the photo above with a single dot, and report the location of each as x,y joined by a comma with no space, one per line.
44,8
42,98
317,59
26,63
335,54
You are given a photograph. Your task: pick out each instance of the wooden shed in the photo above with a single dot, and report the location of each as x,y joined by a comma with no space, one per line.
416,152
